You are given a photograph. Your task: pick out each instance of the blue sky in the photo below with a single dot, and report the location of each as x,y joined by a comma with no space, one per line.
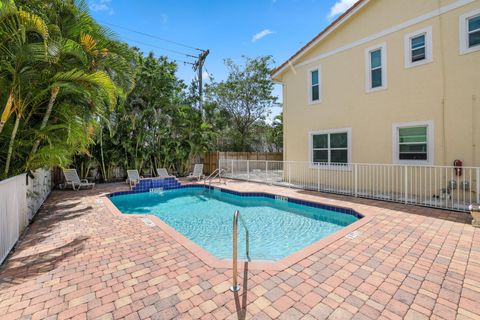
229,29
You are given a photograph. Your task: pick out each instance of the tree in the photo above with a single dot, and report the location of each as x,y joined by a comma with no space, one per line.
60,73
275,134
246,96
158,125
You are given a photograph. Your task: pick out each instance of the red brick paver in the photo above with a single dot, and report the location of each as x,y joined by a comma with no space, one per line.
79,261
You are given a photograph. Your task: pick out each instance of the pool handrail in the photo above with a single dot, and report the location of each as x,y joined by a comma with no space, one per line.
236,216
216,173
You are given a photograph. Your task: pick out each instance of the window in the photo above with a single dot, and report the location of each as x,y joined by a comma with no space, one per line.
413,143
474,31
375,76
314,86
418,47
470,32
330,147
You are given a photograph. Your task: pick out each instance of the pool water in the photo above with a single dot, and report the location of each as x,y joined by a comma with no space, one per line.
277,228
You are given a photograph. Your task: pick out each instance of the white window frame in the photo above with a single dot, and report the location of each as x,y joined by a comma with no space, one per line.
329,165
463,29
430,142
427,32
309,75
368,69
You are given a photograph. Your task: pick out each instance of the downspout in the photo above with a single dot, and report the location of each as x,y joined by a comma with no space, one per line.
442,43
474,132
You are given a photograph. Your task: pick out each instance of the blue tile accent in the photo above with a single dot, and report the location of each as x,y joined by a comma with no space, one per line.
172,183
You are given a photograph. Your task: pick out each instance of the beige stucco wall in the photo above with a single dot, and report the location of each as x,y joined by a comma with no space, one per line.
446,91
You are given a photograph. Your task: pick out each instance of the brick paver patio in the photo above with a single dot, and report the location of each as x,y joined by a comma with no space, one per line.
79,261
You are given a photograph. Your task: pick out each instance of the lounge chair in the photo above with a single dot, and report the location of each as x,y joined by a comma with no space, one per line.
133,177
163,173
197,172
72,179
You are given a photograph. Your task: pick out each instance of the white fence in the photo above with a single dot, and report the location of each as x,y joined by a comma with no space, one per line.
19,202
444,187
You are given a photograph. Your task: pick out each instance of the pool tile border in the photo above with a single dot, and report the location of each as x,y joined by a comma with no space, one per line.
215,262
341,209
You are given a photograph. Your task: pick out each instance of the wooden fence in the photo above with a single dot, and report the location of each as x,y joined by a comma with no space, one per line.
210,159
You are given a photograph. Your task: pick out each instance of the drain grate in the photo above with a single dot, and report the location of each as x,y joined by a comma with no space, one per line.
352,235
148,222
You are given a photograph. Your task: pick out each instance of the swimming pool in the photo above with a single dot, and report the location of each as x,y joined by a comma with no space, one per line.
277,226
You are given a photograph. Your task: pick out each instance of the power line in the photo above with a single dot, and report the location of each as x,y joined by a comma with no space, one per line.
162,48
152,36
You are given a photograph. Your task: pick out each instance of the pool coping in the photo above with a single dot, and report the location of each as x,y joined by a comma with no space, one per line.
267,265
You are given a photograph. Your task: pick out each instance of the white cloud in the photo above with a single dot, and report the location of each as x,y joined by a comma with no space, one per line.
101,6
261,35
340,7
205,76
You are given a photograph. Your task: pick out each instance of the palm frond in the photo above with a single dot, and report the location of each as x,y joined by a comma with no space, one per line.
33,23
99,79
87,42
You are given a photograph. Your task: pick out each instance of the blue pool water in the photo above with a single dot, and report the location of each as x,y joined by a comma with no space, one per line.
277,228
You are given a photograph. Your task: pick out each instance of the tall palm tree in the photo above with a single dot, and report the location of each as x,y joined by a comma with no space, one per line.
23,38
54,57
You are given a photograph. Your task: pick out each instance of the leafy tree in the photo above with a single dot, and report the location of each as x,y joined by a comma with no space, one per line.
275,134
62,73
156,127
246,96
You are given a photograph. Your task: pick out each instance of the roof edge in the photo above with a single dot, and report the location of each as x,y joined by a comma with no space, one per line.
336,23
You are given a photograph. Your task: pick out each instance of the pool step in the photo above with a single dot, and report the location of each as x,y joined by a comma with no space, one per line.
146,184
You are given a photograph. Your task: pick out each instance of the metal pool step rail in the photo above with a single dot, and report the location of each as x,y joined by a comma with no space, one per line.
215,174
236,216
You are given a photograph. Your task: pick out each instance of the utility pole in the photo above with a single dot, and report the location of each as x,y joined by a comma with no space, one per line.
198,65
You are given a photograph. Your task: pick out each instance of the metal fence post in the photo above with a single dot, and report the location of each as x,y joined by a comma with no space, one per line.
289,175
248,170
478,185
406,183
266,171
232,168
318,179
355,179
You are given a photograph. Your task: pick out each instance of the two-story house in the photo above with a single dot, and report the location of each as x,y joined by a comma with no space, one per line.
389,81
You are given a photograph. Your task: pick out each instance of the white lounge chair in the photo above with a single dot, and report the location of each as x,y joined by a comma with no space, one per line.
133,177
197,172
163,173
72,179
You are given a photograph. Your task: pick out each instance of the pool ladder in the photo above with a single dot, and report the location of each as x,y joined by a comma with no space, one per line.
236,216
217,173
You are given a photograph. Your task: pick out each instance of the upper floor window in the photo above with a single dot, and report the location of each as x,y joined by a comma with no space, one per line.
474,31
470,32
330,147
376,75
314,94
413,142
418,47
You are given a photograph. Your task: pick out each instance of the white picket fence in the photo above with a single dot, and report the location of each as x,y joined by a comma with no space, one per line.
432,186
19,202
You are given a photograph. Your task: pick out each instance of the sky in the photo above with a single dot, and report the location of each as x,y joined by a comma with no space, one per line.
228,28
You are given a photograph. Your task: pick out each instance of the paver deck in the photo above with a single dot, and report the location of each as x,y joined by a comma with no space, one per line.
80,261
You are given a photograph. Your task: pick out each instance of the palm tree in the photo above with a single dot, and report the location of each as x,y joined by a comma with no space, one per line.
56,59
23,38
